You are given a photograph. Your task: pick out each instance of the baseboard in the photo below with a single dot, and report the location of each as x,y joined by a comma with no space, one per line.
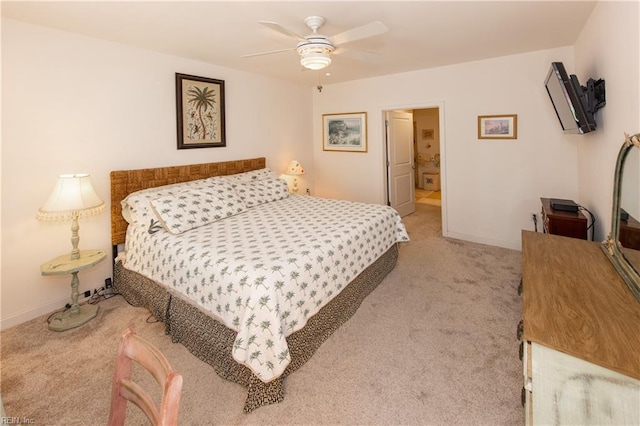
514,245
34,313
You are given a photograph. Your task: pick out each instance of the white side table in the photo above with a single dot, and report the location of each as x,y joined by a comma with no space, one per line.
62,265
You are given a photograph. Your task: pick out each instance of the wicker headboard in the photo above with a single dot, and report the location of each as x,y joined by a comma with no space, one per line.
124,182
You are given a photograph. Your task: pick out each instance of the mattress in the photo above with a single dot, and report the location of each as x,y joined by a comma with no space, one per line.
266,270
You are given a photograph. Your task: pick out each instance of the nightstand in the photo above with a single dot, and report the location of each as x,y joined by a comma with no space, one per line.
62,265
564,223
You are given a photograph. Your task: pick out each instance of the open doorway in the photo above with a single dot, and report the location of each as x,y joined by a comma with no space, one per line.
428,156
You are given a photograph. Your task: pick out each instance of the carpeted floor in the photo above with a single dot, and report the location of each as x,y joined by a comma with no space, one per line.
433,344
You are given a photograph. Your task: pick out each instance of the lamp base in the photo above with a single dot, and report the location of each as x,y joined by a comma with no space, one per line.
65,320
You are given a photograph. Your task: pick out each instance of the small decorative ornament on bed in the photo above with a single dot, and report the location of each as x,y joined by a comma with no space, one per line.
200,112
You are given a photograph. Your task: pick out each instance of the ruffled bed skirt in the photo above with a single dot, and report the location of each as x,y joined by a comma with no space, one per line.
212,342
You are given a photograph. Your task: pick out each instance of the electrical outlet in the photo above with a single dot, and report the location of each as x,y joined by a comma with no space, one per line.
87,293
108,286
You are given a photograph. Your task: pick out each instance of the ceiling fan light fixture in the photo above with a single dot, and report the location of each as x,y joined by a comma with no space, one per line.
315,54
315,60
315,49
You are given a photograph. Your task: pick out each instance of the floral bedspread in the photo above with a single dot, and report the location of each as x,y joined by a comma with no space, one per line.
266,271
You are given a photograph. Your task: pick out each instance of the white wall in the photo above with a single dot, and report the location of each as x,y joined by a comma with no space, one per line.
76,104
490,187
608,48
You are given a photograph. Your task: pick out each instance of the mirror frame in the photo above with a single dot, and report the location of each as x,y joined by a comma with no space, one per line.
611,245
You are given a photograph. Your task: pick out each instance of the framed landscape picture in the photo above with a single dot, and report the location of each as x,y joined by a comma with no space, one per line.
427,133
345,132
200,112
498,126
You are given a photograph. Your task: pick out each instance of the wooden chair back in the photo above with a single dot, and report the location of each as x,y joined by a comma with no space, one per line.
135,348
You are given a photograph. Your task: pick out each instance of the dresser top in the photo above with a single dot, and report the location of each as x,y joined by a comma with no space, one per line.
575,302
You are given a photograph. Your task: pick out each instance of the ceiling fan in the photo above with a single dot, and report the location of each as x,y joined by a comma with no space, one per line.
315,49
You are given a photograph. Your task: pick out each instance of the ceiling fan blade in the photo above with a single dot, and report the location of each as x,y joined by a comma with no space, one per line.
357,54
282,30
250,55
368,30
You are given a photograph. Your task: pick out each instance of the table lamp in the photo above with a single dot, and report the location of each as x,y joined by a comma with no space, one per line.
73,197
294,169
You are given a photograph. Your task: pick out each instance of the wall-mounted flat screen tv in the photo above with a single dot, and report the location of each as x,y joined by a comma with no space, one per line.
575,105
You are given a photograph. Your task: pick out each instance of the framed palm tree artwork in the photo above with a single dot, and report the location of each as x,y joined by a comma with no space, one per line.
200,112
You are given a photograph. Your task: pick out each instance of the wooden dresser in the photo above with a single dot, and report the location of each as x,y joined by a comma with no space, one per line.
581,335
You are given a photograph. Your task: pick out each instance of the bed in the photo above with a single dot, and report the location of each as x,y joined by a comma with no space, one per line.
249,278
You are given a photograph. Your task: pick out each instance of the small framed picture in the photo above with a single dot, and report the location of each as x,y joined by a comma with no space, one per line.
427,134
200,112
345,132
498,126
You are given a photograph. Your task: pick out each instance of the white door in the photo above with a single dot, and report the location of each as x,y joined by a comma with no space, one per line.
400,161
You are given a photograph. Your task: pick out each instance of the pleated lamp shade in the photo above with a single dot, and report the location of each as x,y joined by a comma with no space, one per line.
73,194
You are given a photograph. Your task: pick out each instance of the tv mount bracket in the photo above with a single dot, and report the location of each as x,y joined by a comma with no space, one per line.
595,94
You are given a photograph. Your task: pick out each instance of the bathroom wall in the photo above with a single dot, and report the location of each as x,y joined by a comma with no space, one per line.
427,142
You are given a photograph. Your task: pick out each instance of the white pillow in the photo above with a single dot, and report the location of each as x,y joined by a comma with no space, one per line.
254,175
193,208
261,191
137,210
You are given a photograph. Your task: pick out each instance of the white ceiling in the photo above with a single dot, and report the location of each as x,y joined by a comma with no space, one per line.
422,34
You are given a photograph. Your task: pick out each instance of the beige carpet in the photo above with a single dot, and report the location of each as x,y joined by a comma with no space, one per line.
433,344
